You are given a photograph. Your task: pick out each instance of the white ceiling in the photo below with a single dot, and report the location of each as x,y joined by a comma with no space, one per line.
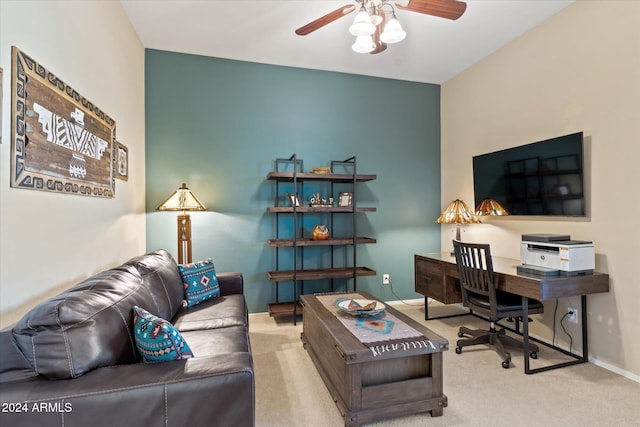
434,50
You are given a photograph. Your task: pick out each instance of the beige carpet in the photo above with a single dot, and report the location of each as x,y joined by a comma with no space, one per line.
290,392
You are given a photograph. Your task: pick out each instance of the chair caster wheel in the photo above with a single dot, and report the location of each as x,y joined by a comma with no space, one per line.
460,335
505,365
458,350
533,355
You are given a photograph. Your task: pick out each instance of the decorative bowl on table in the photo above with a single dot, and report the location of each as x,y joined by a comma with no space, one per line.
361,307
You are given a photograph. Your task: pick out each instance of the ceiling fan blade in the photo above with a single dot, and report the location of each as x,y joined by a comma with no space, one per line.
449,9
326,19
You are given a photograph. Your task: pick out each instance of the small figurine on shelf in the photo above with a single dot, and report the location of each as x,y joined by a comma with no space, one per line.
317,201
320,232
321,169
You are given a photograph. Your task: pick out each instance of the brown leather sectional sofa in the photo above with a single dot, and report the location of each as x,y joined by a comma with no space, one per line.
72,360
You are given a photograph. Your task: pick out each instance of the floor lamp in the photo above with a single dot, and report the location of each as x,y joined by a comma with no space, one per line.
183,200
457,213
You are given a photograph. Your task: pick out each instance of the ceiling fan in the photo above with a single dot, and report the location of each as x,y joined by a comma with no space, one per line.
373,29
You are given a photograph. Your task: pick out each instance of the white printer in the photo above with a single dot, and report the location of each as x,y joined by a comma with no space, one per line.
553,254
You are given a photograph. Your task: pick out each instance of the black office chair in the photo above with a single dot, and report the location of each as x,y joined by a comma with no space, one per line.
480,295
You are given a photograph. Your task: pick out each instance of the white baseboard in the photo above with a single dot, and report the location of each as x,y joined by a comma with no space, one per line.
615,369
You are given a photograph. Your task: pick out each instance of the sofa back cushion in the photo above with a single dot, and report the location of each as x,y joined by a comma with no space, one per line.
160,274
90,325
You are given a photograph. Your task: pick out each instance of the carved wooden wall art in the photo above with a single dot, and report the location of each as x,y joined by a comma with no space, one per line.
60,141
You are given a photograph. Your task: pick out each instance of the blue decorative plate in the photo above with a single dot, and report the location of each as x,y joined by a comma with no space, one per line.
361,307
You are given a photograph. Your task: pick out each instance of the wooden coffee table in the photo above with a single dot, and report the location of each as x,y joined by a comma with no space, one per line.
368,384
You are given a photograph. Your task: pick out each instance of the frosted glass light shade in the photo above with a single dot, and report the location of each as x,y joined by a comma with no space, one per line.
362,25
393,32
363,44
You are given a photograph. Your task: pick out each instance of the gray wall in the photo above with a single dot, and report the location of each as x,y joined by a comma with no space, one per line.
218,125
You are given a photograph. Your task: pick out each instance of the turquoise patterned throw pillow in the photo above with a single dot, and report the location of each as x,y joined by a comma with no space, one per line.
200,281
157,339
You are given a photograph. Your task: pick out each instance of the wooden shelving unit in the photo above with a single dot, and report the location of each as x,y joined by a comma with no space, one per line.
297,243
306,209
284,308
320,273
329,242
335,177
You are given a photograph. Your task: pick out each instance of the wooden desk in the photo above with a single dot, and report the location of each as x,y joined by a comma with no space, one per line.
436,276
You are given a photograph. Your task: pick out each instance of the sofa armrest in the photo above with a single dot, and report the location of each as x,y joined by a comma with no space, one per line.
230,283
203,391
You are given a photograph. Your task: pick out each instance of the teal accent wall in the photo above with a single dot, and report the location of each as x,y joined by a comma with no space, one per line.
218,125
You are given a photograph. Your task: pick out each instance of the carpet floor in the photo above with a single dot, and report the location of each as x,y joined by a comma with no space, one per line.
290,392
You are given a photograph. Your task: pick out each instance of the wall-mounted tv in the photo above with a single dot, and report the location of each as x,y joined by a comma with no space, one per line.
542,178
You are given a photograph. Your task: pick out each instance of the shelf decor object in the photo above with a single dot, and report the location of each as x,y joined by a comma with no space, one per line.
320,232
490,207
183,200
457,213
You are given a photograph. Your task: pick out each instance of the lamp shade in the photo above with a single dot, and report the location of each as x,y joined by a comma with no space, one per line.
393,32
363,44
362,25
490,207
457,213
182,200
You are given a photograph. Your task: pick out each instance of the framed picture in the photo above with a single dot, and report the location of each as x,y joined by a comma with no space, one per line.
0,105
60,141
345,200
294,200
122,162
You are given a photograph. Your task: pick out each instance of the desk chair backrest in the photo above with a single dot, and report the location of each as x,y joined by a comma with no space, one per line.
476,275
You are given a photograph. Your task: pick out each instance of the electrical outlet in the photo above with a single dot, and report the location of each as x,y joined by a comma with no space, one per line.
573,314
385,279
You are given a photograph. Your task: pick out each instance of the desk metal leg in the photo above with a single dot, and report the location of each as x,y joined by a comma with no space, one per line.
578,359
525,334
426,312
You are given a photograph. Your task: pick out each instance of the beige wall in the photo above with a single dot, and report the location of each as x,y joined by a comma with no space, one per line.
578,71
50,241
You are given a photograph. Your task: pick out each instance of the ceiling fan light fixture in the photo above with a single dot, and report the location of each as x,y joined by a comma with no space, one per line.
362,25
363,44
376,19
393,32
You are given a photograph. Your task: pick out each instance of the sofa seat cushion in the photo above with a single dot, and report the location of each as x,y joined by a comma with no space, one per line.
212,342
222,312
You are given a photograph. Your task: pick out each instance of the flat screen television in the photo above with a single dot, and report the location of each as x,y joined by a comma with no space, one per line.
542,178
